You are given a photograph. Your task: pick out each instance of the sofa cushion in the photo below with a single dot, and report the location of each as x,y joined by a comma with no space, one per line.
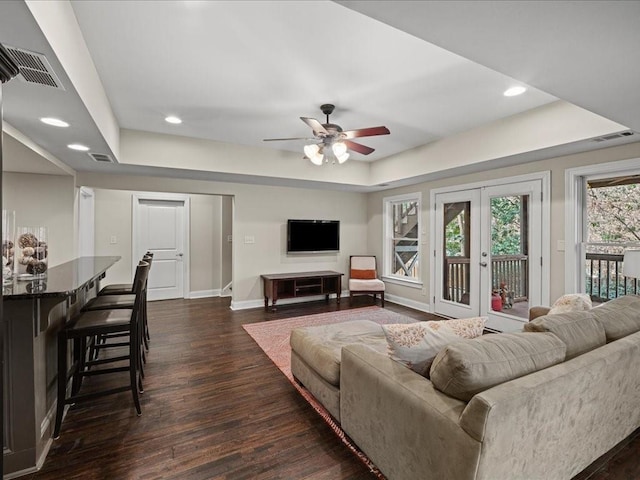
320,346
375,285
416,344
619,317
580,331
465,368
572,302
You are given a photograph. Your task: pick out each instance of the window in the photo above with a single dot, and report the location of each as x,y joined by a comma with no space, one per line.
600,214
401,237
612,216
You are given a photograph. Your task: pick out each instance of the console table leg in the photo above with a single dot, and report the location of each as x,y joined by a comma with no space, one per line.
266,304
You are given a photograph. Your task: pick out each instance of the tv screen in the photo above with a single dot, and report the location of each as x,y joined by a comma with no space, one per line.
308,236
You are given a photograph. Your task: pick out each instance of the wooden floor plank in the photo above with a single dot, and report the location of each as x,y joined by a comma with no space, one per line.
215,407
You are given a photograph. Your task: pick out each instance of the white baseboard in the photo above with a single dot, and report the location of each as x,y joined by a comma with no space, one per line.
406,302
247,304
204,293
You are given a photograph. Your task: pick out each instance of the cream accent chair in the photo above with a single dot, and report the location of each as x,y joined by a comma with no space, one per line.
363,277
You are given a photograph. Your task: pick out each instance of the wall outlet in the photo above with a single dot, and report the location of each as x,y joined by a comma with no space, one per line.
249,239
113,240
424,291
230,238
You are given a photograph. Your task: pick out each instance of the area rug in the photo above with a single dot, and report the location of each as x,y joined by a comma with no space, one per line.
273,338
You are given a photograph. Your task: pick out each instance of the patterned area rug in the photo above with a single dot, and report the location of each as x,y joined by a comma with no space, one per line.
273,338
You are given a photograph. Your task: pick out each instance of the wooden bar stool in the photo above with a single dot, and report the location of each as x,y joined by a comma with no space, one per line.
82,331
122,296
123,289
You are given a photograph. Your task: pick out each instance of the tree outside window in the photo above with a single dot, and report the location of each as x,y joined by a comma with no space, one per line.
612,223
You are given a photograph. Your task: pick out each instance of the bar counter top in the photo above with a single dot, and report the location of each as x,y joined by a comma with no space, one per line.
63,280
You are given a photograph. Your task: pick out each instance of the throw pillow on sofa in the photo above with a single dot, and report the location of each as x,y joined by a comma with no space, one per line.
463,327
572,302
465,368
416,344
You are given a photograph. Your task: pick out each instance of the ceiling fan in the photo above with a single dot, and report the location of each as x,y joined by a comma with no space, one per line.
330,137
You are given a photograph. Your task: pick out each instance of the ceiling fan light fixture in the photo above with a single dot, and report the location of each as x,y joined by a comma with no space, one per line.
339,148
314,153
342,158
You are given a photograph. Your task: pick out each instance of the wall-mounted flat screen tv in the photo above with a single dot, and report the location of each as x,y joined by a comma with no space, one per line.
313,236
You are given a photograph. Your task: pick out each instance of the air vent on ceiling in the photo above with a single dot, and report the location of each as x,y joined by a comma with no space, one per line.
34,68
613,136
101,157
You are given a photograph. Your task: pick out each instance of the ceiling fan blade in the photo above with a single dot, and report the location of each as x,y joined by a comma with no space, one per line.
285,139
315,125
366,132
358,147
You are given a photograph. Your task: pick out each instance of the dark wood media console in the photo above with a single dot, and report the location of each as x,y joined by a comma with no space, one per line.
302,284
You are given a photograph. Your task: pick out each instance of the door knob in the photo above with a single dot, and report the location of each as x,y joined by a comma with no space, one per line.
483,264
179,254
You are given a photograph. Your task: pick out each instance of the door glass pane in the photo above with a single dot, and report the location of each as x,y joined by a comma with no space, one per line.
510,255
457,246
406,226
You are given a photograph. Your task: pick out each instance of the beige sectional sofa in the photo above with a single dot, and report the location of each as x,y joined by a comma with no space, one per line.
541,404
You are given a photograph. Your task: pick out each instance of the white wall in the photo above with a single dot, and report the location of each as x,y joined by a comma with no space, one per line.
47,201
206,244
227,241
556,166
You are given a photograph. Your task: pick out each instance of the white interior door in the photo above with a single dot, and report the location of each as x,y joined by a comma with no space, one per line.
161,227
488,253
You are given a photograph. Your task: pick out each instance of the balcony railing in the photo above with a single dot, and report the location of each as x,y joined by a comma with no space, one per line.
510,270
604,278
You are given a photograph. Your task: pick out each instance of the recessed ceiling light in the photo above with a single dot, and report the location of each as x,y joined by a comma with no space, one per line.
173,119
78,147
513,91
56,122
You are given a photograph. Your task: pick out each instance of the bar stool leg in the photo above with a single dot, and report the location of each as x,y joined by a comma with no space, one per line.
134,354
62,382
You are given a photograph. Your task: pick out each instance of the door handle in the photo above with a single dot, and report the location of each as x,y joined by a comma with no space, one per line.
179,254
483,264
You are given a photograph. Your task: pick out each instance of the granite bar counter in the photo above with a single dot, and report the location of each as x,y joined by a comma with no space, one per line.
34,310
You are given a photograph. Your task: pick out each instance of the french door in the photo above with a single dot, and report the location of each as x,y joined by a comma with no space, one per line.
488,253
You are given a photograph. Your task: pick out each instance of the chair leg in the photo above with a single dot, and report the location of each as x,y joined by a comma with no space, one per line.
134,354
62,382
78,364
382,299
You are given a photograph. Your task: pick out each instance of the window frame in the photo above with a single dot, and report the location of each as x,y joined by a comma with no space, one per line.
388,236
575,212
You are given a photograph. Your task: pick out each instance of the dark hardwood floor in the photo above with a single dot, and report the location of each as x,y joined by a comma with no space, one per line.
215,407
